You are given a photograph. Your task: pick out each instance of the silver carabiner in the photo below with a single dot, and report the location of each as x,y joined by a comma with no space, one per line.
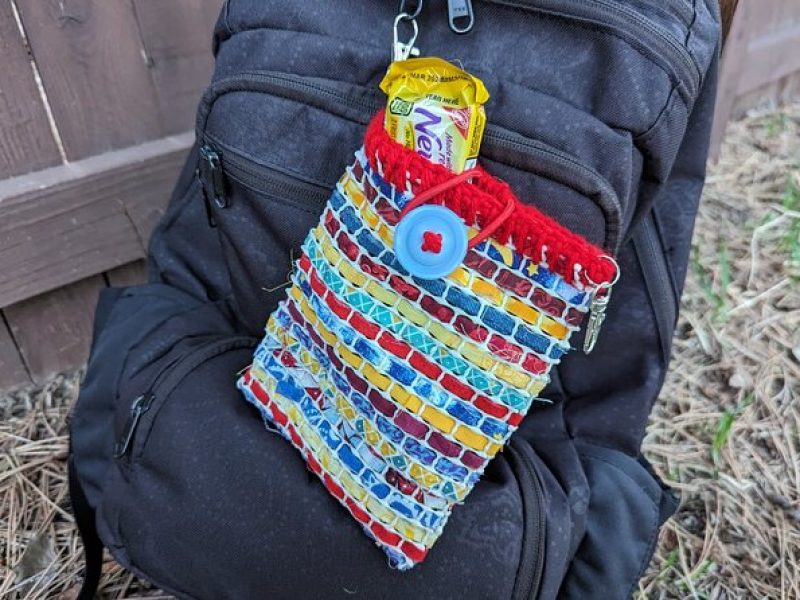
402,50
597,309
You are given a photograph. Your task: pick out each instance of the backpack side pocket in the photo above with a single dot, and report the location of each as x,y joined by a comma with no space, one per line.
627,508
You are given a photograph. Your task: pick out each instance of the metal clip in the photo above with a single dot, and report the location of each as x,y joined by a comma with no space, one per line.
402,50
597,315
460,16
597,310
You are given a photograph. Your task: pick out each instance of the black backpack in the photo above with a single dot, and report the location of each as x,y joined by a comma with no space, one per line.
600,113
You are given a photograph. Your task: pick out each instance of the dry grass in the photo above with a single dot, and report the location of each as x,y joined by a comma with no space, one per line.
725,432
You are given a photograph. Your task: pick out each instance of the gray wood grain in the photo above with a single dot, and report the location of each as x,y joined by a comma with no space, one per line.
26,141
69,222
177,39
730,73
12,370
54,330
93,69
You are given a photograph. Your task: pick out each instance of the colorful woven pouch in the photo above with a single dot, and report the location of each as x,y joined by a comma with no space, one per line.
399,390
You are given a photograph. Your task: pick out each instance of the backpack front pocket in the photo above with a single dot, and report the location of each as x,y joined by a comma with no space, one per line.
207,477
262,214
135,421
264,191
397,385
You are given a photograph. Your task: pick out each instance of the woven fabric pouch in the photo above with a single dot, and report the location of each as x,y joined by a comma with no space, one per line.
398,389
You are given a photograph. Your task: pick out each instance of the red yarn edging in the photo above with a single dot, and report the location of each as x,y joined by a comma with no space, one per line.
481,201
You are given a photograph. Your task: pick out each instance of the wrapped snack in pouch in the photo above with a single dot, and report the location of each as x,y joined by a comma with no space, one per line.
436,109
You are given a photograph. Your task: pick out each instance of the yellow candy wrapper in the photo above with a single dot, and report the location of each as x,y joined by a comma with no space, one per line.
436,109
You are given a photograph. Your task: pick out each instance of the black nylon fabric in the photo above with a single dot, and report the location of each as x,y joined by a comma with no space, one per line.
594,118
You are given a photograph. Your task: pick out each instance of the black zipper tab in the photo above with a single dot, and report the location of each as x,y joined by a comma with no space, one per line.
212,176
140,406
212,222
460,15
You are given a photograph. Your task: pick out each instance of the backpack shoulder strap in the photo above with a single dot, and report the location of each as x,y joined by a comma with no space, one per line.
92,546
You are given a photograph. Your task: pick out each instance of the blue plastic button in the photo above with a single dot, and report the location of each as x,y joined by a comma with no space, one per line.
410,239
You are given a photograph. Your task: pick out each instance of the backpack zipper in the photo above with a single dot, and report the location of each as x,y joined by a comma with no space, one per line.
460,10
658,279
165,381
140,405
276,184
212,182
460,16
531,563
582,178
640,32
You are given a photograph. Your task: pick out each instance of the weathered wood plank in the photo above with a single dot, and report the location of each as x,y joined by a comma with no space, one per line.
12,369
727,10
771,15
774,94
730,73
177,40
54,330
771,57
91,61
69,222
134,273
26,142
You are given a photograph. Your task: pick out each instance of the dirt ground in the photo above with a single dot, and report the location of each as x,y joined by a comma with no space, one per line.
724,432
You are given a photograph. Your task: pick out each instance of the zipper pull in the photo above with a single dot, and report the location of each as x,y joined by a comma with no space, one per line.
598,307
140,406
212,222
597,315
212,178
402,50
460,16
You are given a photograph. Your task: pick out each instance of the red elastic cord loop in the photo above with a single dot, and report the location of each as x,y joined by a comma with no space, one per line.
436,190
490,228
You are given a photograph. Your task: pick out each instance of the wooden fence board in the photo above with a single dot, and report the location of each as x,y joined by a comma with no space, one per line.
54,330
772,95
770,15
77,220
731,67
134,273
727,10
770,57
90,56
26,141
177,40
12,370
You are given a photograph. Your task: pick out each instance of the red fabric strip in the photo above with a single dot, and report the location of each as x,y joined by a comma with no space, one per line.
483,200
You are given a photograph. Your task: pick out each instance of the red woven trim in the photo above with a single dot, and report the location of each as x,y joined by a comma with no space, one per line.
481,201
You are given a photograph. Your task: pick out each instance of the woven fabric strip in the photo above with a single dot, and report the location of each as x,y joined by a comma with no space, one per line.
397,390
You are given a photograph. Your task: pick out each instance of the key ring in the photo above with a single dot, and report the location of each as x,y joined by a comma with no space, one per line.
606,285
413,14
